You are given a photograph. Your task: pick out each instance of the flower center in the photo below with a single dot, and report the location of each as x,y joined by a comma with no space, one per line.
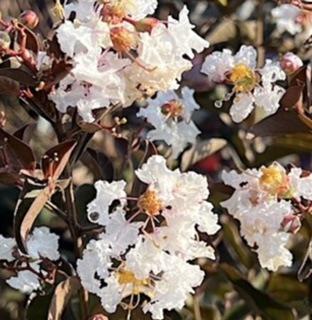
173,109
138,286
243,78
123,40
115,10
274,180
150,203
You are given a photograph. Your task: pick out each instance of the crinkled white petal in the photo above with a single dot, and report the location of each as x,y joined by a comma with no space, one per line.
186,39
268,98
272,253
217,64
106,193
111,295
246,55
285,17
120,233
242,106
271,72
43,244
94,265
26,282
7,246
301,186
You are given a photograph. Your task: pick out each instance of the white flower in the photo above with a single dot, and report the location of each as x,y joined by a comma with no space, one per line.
252,87
7,246
182,202
101,39
106,193
170,115
26,282
85,87
40,244
120,233
260,202
165,279
177,282
43,244
84,10
95,263
272,253
285,17
151,257
301,185
186,39
162,66
219,63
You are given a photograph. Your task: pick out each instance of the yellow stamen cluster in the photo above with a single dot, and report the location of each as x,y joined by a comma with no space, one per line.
115,10
274,180
243,78
123,39
173,109
128,278
149,203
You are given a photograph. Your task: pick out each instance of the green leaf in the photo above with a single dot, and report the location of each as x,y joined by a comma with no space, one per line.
38,307
260,302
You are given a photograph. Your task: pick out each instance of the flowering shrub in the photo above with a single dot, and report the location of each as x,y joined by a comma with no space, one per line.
163,169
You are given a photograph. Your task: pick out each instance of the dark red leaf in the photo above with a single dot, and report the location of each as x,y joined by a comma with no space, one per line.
15,154
55,160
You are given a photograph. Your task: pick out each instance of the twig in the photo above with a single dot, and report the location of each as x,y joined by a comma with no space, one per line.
260,35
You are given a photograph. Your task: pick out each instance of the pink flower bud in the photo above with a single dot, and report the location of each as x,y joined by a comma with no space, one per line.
291,223
290,62
146,24
29,18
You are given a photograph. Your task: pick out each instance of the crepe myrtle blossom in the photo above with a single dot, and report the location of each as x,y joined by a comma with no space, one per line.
286,17
263,202
178,198
149,240
119,55
165,279
252,86
170,115
41,244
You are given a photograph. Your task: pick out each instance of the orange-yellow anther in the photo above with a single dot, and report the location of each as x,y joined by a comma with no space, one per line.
149,203
243,78
274,180
128,278
173,109
123,39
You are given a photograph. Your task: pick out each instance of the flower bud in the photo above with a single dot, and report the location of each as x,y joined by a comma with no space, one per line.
29,18
146,25
5,40
291,223
290,62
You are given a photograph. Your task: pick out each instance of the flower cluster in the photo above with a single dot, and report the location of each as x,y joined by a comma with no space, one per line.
120,55
251,86
41,245
268,203
170,116
149,240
